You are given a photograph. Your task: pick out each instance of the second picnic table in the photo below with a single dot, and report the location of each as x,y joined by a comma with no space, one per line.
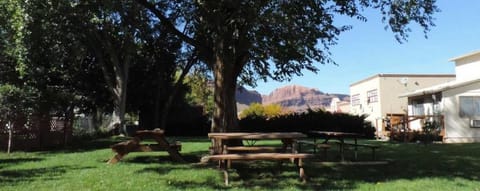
341,136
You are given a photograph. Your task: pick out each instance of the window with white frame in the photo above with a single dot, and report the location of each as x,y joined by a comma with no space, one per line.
372,96
469,106
355,99
418,107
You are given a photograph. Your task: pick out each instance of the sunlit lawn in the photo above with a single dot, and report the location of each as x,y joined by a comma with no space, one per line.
411,167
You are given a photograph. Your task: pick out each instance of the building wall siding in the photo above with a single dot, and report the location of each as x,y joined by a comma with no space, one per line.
458,128
468,68
370,109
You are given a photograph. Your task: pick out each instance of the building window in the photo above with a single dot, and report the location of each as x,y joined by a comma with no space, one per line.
469,106
372,96
418,107
355,99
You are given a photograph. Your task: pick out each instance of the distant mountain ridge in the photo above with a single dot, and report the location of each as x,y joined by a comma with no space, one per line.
291,97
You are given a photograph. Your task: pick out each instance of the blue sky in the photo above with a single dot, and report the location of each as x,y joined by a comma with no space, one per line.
369,49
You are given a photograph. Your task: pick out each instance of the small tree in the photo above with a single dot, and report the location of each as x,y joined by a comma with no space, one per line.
200,92
14,103
273,110
259,110
431,130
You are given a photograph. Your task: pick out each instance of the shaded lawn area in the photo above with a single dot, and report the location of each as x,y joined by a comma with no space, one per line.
83,167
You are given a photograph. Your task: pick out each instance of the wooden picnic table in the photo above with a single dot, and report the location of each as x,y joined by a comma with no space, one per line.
123,148
224,154
340,136
219,139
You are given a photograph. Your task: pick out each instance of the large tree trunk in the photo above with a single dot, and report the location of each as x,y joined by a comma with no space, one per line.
119,105
115,68
225,113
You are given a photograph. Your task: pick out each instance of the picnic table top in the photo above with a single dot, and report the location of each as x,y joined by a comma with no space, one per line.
334,133
257,135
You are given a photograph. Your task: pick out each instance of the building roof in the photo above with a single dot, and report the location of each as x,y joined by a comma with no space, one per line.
439,88
464,56
404,75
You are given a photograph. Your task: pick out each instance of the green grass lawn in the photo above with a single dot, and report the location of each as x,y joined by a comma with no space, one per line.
411,167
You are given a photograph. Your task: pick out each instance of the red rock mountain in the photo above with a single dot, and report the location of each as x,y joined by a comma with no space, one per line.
292,97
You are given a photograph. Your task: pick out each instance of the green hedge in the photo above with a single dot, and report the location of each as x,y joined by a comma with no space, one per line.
311,120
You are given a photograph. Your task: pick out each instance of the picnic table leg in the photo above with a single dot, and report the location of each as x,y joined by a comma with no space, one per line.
325,153
294,150
225,175
324,142
115,159
301,171
294,147
342,142
224,165
356,149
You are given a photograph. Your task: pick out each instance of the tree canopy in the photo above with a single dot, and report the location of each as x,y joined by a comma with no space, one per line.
252,40
80,53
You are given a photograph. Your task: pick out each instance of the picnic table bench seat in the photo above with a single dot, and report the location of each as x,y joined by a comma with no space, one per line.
256,156
255,149
372,147
323,146
225,160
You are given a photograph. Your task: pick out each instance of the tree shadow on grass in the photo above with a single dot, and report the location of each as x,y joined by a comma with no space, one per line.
185,182
84,145
210,183
166,166
15,161
107,142
150,159
162,157
408,162
269,175
252,175
89,145
19,176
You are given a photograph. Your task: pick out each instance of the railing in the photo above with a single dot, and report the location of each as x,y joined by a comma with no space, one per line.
410,127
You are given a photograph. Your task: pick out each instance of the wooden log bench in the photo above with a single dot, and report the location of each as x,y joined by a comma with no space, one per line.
123,148
372,147
226,159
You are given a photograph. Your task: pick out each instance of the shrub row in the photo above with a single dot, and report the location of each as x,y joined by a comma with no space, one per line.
310,120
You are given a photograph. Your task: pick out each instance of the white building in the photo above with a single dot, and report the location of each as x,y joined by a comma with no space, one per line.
457,101
377,95
339,106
